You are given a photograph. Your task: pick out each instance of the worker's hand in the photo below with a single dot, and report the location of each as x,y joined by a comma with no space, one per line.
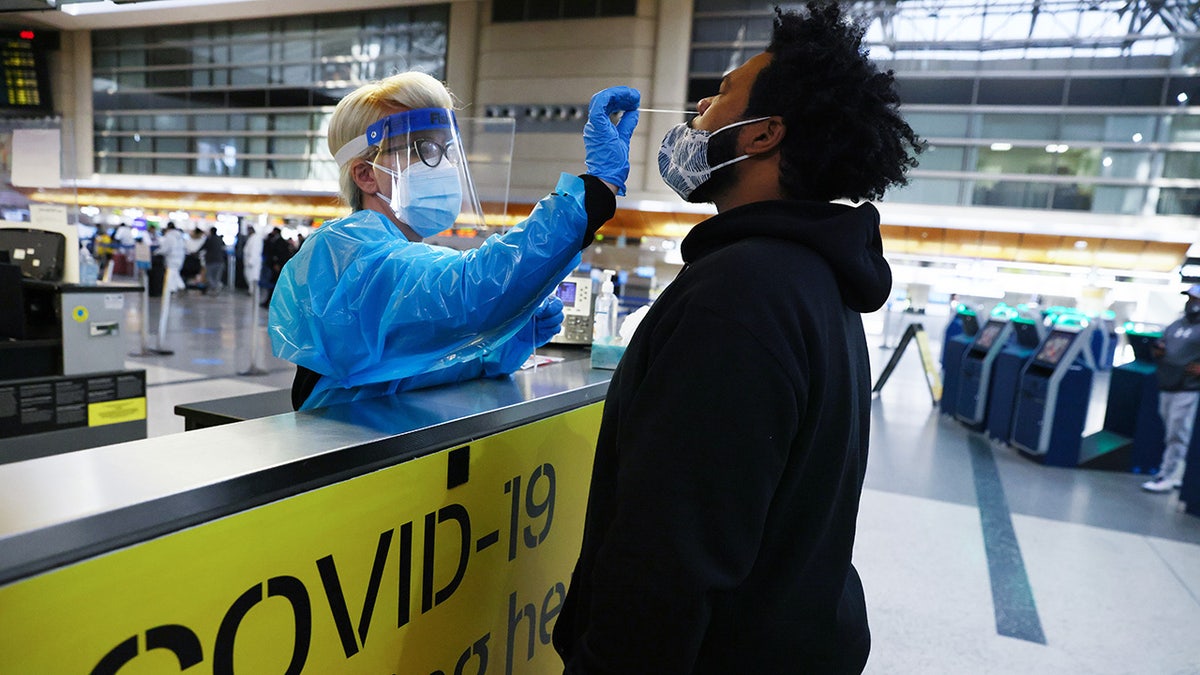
1192,369
547,320
607,144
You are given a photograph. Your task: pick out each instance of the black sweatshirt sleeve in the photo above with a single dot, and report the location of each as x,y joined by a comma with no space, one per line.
600,204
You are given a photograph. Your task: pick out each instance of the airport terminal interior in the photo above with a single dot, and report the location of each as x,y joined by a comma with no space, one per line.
975,559
1043,244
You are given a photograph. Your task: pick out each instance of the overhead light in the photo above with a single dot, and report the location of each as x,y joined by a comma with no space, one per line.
1001,147
1057,148
1182,97
1137,138
1107,162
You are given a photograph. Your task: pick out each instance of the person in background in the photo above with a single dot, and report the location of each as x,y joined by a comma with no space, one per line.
733,443
252,255
193,262
366,309
102,246
150,237
276,252
173,250
1178,356
214,262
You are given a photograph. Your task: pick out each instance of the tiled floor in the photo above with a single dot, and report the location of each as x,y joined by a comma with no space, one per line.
1113,573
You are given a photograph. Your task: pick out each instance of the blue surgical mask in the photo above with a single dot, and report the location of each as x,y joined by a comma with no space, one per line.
427,199
683,157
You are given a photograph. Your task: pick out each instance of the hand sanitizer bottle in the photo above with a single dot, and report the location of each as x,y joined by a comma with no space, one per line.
89,269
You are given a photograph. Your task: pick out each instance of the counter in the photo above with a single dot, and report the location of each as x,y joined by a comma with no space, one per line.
452,506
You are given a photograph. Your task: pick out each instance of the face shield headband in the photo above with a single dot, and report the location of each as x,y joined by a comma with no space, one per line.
421,151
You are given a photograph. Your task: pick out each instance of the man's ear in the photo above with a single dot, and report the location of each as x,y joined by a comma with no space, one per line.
766,137
364,176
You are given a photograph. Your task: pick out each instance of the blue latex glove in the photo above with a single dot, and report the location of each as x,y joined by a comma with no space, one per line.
607,144
547,320
543,325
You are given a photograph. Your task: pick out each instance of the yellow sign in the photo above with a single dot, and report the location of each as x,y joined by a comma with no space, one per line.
80,313
932,377
392,572
113,412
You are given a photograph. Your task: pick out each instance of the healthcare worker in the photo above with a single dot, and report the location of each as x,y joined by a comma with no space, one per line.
366,309
172,248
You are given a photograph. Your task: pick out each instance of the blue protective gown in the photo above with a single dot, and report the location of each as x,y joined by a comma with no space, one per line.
374,313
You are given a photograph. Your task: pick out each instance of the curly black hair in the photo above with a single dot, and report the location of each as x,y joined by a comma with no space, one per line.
845,136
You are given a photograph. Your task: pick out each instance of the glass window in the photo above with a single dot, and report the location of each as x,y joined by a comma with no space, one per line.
1123,91
1183,91
1183,129
300,62
1015,194
171,167
541,10
1125,164
718,61
1018,126
939,158
926,191
1020,91
1179,201
935,91
618,7
1082,128
938,125
137,165
1122,200
1129,128
172,145
1015,161
211,123
1071,197
752,29
1182,165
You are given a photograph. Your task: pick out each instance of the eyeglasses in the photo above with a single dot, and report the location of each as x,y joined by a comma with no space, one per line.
431,152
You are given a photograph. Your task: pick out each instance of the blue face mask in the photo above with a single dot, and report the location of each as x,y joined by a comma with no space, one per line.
427,199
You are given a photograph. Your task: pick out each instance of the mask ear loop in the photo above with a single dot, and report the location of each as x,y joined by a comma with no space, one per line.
735,160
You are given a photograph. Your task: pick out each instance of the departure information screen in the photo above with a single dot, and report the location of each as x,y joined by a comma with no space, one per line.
23,66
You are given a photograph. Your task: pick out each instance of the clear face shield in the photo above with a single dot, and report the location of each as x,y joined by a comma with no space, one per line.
422,153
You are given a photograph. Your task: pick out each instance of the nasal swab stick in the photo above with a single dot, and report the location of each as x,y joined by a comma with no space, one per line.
659,110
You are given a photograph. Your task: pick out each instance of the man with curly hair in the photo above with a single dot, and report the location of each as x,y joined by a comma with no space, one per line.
731,455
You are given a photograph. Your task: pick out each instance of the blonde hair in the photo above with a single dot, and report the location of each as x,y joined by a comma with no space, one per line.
370,102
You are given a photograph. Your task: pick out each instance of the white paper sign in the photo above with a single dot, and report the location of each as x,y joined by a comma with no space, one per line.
48,215
36,158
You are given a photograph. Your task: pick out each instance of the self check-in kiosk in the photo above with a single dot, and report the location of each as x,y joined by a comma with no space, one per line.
1104,340
1006,376
1053,395
1133,430
959,336
975,378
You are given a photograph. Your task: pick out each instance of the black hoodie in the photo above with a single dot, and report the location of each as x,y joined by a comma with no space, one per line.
730,460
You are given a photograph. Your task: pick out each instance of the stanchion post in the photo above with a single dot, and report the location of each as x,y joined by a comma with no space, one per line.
164,311
254,338
145,337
